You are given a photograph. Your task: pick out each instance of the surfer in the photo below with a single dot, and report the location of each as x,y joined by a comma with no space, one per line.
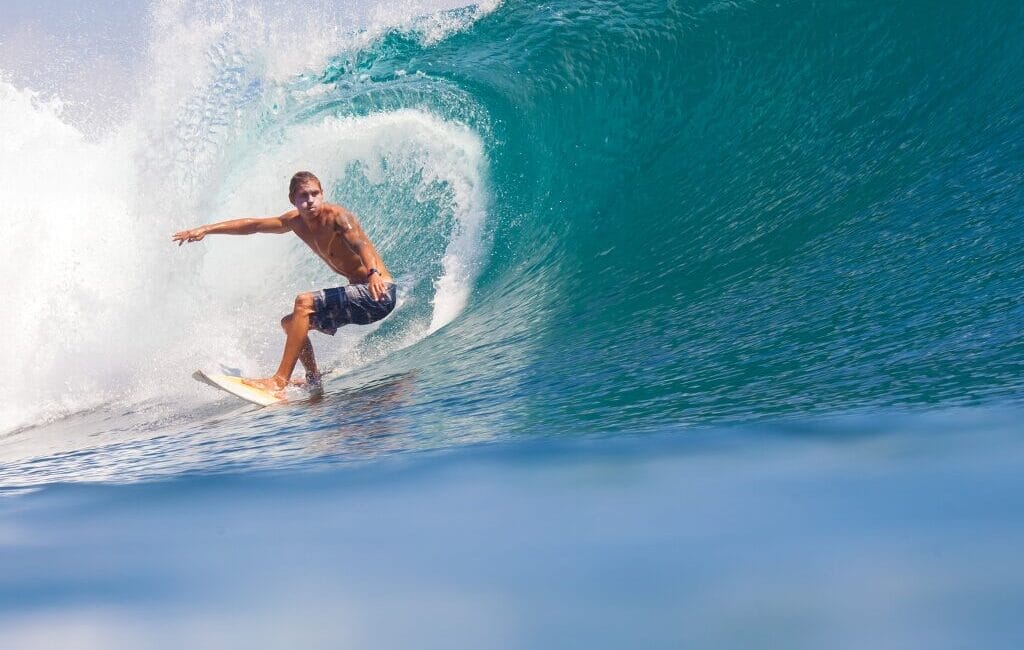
336,237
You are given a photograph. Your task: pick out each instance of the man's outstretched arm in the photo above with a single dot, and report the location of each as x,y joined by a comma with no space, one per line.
233,227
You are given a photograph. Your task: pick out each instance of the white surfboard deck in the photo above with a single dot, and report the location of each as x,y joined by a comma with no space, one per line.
234,385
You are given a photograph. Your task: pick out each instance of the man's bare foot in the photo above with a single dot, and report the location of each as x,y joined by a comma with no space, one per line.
311,381
271,384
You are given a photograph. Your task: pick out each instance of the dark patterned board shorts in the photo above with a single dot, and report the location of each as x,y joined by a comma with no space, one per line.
349,305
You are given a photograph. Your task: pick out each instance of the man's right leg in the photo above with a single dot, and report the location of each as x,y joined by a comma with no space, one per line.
306,357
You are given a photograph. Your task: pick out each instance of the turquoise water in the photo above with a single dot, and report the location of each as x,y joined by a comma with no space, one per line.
621,231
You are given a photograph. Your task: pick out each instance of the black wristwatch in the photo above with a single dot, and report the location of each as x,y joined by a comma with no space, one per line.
371,272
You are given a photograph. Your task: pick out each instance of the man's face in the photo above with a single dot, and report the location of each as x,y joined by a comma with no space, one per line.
308,198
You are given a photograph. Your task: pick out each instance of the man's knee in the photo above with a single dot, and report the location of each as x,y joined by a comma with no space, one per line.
304,303
286,321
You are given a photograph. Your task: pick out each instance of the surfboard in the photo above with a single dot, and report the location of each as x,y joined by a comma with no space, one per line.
234,385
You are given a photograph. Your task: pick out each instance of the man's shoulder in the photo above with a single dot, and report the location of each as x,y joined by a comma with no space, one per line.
340,214
334,208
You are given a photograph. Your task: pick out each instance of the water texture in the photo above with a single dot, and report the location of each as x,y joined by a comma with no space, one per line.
603,217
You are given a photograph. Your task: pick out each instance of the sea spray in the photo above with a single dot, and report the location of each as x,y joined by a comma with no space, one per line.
104,310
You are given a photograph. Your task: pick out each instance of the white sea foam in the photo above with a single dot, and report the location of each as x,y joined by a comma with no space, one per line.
100,307
65,274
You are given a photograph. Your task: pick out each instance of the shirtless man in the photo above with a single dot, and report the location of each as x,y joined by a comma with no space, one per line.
335,235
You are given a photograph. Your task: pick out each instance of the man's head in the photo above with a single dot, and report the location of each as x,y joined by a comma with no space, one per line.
306,193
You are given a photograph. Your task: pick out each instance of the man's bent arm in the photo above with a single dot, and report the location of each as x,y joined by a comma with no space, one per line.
232,227
361,246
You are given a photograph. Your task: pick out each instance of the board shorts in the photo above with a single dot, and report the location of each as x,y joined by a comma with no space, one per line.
349,305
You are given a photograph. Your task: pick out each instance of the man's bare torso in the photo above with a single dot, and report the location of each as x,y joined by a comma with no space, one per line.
324,234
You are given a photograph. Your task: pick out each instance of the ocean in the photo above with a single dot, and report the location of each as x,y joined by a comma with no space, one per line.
708,328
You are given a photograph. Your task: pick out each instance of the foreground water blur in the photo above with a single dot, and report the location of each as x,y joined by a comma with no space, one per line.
841,533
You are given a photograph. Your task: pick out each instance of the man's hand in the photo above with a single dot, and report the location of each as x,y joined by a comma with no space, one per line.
196,234
376,286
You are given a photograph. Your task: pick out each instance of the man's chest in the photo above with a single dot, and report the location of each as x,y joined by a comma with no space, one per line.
330,246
